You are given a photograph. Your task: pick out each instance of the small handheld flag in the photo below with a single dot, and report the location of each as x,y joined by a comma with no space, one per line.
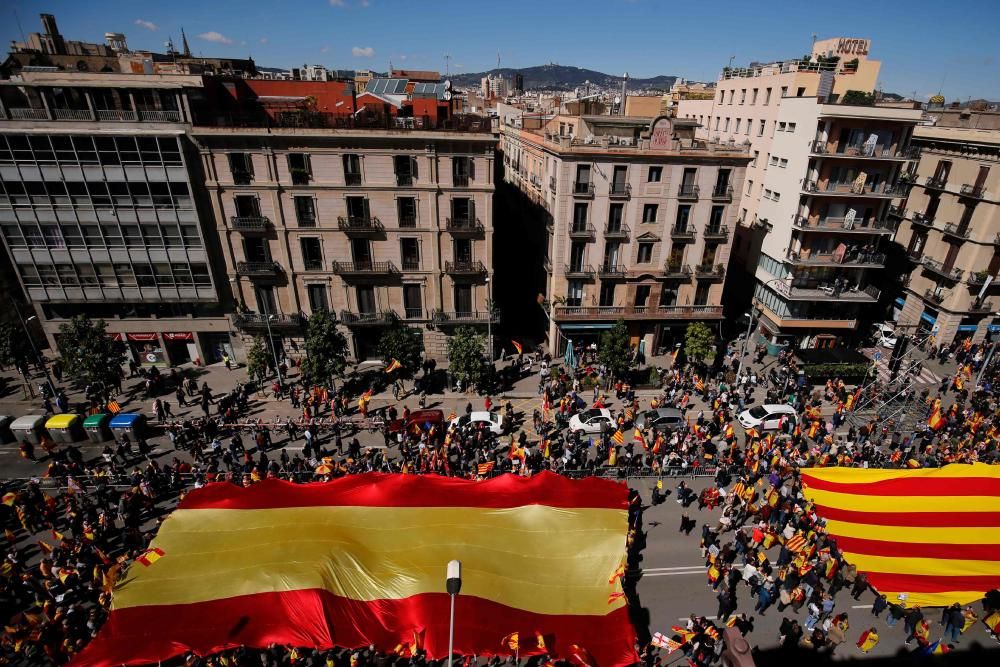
150,556
394,365
517,346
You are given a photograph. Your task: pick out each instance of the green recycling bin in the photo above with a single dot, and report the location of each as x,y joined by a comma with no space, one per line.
97,428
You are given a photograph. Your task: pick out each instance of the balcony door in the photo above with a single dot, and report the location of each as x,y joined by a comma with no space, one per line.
366,299
576,256
949,259
722,181
676,256
687,181
579,217
981,177
412,301
932,207
265,300
942,171
256,249
463,251
361,252
607,294
612,255
463,299
357,208
615,214
618,179
247,206
582,177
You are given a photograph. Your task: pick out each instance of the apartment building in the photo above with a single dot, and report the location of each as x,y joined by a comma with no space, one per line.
950,227
825,170
374,217
101,212
640,216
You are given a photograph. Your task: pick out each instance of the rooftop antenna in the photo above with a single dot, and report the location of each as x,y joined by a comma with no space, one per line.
447,61
19,28
498,60
814,41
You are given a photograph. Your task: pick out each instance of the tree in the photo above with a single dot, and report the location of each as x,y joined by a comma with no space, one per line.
15,348
258,359
858,98
404,344
699,342
326,348
614,350
88,354
465,356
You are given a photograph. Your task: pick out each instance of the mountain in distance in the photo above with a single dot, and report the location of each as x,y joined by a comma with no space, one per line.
563,77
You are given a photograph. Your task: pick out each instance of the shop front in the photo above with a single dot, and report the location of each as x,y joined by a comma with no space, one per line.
180,347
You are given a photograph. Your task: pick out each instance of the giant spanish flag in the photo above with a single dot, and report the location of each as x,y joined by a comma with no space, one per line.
931,533
361,560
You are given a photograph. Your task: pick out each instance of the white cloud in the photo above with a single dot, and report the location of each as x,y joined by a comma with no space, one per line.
459,66
263,40
403,57
366,3
338,3
359,52
148,25
324,49
213,36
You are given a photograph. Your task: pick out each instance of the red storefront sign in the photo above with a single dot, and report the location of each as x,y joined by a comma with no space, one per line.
184,335
142,337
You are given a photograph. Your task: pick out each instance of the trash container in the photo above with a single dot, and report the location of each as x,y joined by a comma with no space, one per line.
132,423
65,428
30,428
96,427
6,436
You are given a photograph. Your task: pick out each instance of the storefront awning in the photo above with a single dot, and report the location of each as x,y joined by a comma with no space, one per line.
183,335
930,319
142,337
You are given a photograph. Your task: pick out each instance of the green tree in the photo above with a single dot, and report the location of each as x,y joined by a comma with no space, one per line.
614,350
466,361
326,348
699,342
858,98
258,359
88,354
15,349
404,344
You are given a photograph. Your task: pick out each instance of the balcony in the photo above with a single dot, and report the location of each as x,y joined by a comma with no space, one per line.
116,115
723,194
404,180
444,317
359,225
72,114
978,278
852,190
581,271
676,271
936,182
682,234
897,211
620,191
466,226
973,191
842,225
583,190
413,313
688,192
586,232
637,312
28,114
935,296
709,271
826,292
921,219
611,271
858,151
258,322
715,233
856,259
552,184
159,116
249,224
258,269
460,180
810,322
300,176
960,232
465,268
407,221
935,267
242,177
351,178
365,268
353,319
619,232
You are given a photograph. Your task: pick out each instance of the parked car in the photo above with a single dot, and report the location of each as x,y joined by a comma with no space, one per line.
885,335
595,420
766,417
661,420
418,418
490,419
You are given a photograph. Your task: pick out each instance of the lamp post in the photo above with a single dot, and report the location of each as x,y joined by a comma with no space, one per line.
453,586
267,325
489,316
743,350
31,341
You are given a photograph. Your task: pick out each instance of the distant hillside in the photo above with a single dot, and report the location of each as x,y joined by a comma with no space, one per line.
563,77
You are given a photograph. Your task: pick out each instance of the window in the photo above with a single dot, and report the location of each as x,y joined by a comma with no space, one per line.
352,169
701,294
582,184
312,254
300,168
305,211
743,96
791,127
409,251
649,213
247,206
726,128
767,194
731,92
406,210
753,97
654,175
756,154
574,292
366,299
412,302
607,294
645,254
760,130
463,211
784,91
405,167
716,123
715,218
783,163
616,213
776,196
317,298
668,297
241,167
767,96
683,217
579,217
461,170
800,92
641,295
358,213
781,127
774,161
767,161
737,129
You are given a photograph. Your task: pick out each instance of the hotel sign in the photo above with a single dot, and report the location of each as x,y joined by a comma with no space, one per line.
855,47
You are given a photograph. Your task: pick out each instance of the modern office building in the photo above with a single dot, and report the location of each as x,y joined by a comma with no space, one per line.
640,215
814,212
375,215
102,213
951,228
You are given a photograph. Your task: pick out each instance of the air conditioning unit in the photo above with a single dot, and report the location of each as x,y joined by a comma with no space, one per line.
625,141
612,141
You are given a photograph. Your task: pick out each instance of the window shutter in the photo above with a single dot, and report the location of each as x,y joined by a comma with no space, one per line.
413,167
472,168
472,210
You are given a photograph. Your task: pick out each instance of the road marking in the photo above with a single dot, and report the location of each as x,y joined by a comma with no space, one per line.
673,574
707,618
861,606
669,569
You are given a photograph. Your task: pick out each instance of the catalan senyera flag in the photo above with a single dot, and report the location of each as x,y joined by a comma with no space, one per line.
517,346
394,365
932,533
299,565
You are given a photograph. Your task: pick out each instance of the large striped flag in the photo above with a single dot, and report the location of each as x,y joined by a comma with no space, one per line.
299,565
932,533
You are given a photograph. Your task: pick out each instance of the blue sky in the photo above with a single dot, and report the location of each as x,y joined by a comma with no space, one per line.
924,45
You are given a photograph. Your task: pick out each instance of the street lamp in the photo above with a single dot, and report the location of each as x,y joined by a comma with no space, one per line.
749,316
31,340
453,586
267,324
489,316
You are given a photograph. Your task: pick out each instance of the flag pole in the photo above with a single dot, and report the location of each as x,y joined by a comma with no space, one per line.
453,586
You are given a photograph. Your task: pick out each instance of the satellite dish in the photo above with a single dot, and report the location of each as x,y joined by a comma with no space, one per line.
618,99
447,95
447,83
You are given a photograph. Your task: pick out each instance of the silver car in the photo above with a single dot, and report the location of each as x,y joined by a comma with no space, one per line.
661,420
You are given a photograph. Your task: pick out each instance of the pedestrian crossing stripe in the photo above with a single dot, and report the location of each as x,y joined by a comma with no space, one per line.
882,366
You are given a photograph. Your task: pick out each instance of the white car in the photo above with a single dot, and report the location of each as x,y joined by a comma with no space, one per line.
766,417
594,420
885,335
490,419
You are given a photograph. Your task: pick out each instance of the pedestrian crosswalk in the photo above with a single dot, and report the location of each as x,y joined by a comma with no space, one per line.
881,357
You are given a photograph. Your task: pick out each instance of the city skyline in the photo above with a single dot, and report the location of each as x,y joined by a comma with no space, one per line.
371,34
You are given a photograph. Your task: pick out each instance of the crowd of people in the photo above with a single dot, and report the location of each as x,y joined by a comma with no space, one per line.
68,542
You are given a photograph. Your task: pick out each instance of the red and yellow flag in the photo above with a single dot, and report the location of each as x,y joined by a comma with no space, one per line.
394,365
932,533
517,346
619,437
298,564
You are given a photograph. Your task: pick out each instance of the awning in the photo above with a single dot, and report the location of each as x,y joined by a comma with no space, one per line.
994,328
930,319
142,337
967,328
184,335
115,336
899,301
